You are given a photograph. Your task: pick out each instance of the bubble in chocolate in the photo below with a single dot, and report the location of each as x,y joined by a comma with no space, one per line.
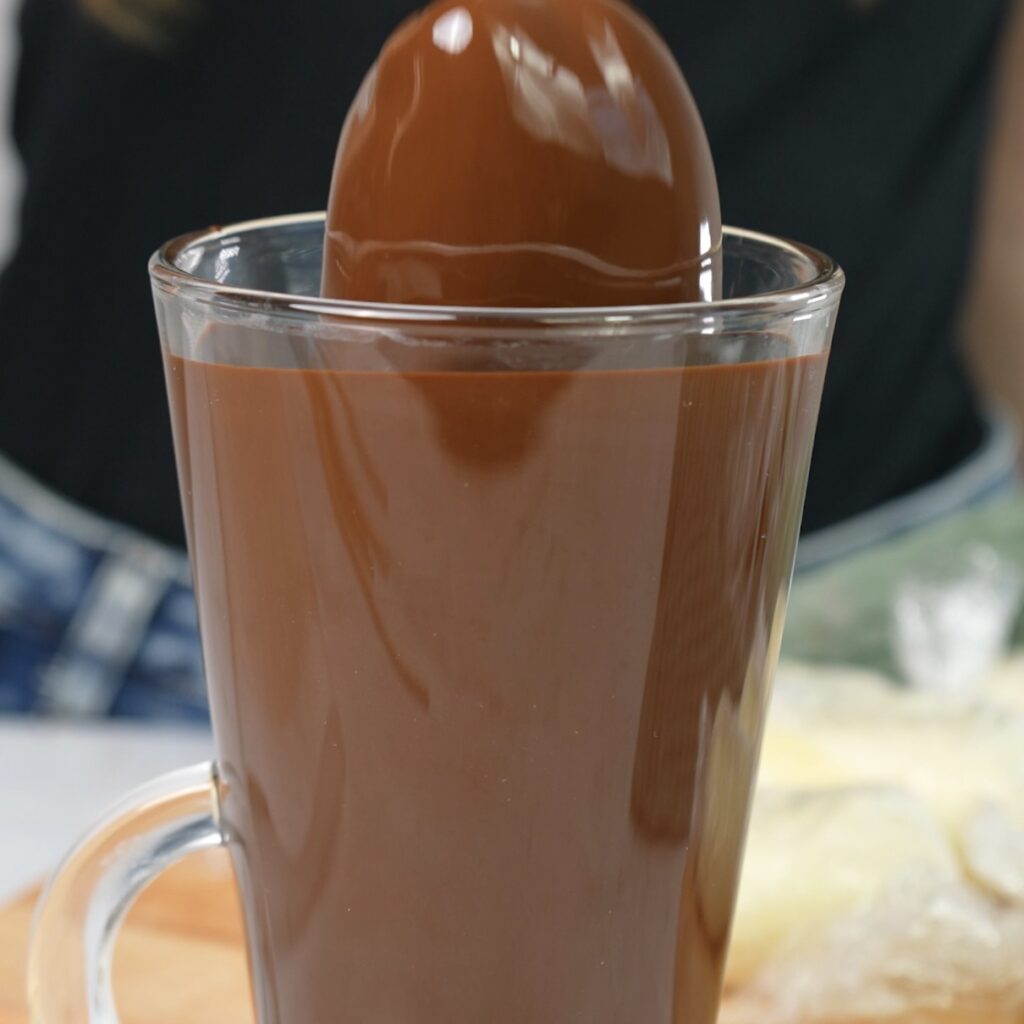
523,153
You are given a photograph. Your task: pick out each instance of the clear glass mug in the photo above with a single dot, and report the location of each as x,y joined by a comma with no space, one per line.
490,604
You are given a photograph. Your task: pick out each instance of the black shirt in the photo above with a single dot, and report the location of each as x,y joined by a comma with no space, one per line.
853,125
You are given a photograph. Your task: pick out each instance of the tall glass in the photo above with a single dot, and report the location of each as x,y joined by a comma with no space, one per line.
490,604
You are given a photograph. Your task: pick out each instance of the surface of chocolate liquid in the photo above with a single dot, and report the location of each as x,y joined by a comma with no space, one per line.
488,723
519,153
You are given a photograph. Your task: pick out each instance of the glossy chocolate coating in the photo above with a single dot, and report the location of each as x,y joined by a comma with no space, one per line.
523,153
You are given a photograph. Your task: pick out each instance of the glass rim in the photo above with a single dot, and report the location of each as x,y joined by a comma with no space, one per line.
824,288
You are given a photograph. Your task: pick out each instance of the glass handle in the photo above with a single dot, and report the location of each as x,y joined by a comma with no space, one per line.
77,920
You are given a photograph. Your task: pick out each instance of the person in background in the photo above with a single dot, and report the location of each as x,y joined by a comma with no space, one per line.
858,126
994,310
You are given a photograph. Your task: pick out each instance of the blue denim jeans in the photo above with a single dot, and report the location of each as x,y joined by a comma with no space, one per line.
95,620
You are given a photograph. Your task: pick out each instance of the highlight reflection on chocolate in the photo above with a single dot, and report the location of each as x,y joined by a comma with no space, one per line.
519,153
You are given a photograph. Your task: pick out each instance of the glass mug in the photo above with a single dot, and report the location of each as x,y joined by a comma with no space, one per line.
490,604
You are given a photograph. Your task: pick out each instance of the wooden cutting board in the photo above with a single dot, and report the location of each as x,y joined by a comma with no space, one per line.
179,960
180,957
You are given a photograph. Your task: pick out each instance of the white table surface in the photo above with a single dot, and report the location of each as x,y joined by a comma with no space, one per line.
56,779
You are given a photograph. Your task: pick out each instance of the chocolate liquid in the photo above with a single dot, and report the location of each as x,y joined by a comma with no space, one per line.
523,153
488,656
